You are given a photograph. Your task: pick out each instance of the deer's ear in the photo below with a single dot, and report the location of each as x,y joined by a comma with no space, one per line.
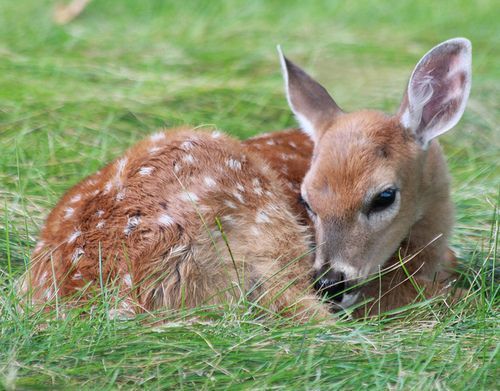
313,107
438,90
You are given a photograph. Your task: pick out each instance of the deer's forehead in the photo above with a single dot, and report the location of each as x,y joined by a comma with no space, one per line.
360,142
352,167
363,130
347,187
352,157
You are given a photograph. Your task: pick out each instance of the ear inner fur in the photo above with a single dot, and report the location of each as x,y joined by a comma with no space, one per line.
438,90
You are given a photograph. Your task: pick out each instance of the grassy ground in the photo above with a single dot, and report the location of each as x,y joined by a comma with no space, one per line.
73,97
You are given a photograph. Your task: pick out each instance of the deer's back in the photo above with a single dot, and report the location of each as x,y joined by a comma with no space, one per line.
173,193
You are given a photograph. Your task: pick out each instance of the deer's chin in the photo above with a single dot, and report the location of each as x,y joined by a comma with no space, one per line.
347,301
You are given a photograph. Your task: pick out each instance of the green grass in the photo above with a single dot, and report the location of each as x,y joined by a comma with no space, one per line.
74,97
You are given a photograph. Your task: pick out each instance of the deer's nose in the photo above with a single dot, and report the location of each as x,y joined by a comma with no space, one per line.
331,285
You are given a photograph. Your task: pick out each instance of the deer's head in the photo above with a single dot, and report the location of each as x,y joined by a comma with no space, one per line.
363,189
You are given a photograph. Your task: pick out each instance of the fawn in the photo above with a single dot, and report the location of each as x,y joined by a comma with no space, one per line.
186,217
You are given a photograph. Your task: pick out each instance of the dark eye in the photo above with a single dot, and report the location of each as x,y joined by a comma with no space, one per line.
305,204
383,200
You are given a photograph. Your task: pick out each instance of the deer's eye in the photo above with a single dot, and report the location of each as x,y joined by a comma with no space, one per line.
306,205
383,200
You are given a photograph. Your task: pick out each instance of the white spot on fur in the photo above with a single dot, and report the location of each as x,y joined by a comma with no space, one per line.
99,213
125,305
209,181
132,224
76,198
257,189
108,187
270,142
121,166
262,217
74,236
77,276
166,220
100,224
239,197
230,204
145,171
120,314
233,164
68,212
255,231
120,196
127,279
187,145
292,144
215,233
216,134
240,187
77,255
157,137
177,167
189,159
48,294
228,219
43,278
153,150
189,196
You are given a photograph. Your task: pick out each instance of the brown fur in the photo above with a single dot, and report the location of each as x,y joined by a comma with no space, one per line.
187,218
188,264
183,261
372,148
379,183
391,290
289,153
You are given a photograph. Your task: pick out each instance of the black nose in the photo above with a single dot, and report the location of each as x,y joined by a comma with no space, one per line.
331,285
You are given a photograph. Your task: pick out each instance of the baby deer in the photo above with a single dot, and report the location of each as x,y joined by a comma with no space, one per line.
187,218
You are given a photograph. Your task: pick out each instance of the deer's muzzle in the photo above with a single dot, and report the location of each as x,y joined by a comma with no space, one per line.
333,286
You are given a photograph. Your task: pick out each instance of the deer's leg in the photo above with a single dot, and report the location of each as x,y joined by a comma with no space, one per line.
285,289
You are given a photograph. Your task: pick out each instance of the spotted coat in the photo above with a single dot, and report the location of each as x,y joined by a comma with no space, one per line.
154,225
